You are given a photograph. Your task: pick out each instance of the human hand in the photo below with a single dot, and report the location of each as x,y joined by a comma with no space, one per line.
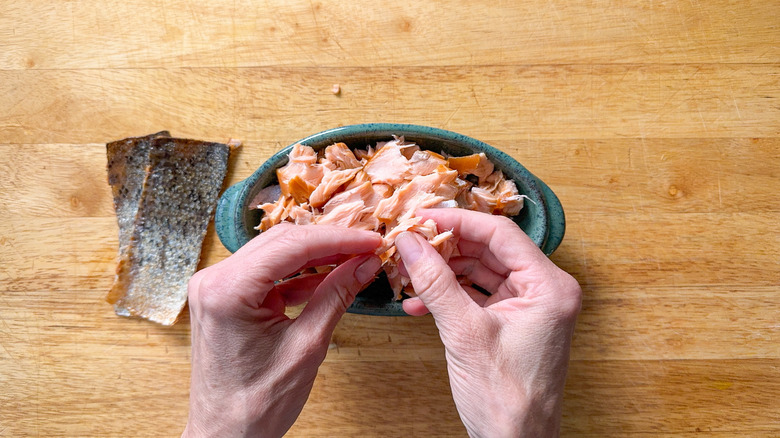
507,354
253,367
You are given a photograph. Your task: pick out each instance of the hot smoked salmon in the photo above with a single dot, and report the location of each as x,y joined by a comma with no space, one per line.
379,189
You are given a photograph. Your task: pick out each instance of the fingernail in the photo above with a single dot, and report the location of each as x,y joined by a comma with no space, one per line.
367,270
409,247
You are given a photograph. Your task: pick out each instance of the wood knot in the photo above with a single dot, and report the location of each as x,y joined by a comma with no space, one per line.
406,25
674,192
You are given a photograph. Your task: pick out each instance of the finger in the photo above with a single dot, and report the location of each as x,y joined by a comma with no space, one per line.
414,306
298,290
337,292
274,302
476,295
285,249
474,270
481,251
402,269
433,281
502,236
335,259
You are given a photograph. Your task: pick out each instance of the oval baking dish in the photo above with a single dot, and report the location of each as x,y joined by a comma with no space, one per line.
542,216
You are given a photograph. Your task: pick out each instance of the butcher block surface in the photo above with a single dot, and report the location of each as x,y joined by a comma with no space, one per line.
656,123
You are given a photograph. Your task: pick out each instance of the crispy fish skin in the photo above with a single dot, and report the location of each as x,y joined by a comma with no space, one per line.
127,162
180,192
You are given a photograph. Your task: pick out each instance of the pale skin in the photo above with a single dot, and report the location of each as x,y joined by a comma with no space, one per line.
507,354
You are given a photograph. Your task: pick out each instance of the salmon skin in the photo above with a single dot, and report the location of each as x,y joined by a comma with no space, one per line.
127,162
165,191
379,188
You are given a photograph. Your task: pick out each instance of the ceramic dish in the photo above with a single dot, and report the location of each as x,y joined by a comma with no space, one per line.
541,218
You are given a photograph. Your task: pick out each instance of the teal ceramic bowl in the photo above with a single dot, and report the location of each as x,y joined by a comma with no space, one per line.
541,218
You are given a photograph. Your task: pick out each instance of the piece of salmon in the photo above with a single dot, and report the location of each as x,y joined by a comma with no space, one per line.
379,189
421,191
388,165
476,164
339,157
302,164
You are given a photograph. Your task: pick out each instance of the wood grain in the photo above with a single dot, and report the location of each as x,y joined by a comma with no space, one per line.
656,123
137,34
486,102
687,392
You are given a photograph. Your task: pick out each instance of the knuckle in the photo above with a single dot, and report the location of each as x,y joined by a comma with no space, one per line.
311,344
504,221
343,297
206,290
503,224
195,280
432,283
427,278
316,348
570,294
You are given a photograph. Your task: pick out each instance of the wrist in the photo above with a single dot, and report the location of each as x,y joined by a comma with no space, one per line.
208,418
218,428
522,415
524,425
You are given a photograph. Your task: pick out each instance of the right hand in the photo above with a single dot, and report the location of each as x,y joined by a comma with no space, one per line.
507,353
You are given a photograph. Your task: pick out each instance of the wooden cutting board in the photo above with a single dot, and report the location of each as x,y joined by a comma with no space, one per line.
656,123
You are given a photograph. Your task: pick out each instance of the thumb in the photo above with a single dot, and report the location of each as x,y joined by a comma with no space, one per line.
433,280
337,292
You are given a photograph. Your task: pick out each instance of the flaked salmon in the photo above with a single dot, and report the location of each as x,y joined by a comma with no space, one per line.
379,188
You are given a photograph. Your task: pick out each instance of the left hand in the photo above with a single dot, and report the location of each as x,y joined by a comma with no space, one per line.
253,367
